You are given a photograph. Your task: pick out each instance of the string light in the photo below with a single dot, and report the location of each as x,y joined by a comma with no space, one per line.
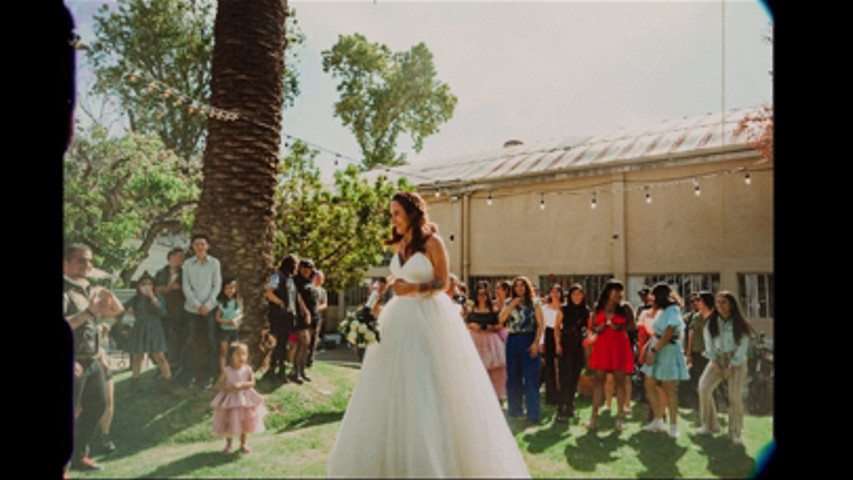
168,92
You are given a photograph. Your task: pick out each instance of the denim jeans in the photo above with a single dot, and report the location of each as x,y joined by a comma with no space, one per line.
523,373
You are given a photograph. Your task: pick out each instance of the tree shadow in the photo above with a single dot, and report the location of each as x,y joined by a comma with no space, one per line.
147,417
312,420
191,463
725,459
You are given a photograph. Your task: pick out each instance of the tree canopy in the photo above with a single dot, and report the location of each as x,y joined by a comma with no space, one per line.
339,228
170,41
121,189
384,94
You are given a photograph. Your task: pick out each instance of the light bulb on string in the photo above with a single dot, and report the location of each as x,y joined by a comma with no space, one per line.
437,193
542,202
747,179
489,200
648,196
594,202
696,189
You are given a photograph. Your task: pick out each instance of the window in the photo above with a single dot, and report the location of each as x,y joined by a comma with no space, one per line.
755,294
683,283
592,284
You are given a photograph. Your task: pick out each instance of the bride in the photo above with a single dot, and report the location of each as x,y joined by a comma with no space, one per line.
423,405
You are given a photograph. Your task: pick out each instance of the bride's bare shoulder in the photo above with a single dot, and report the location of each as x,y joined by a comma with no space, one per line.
434,242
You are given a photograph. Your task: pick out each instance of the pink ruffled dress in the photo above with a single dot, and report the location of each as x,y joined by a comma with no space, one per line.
238,412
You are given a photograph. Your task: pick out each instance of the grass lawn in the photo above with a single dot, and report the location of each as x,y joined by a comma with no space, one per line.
161,435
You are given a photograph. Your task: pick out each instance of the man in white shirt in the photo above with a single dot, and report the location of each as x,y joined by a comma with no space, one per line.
201,282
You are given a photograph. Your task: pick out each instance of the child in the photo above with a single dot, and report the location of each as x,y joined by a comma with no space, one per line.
228,315
237,409
147,335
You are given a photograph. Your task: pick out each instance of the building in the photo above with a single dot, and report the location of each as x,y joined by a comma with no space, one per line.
685,201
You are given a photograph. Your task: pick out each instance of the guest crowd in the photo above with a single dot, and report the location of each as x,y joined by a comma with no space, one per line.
188,318
526,342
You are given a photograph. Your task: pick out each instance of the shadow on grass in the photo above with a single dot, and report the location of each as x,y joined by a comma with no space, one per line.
549,434
725,459
147,418
659,453
192,463
592,450
311,421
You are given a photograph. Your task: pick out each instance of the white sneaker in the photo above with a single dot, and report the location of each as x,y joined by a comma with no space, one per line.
703,430
657,425
673,431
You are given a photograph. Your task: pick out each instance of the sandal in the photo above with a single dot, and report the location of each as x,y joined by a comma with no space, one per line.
245,449
227,449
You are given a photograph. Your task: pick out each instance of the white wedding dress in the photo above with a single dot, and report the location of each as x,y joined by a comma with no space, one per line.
424,405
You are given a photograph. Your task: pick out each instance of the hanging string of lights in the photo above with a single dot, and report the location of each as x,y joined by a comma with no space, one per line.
179,99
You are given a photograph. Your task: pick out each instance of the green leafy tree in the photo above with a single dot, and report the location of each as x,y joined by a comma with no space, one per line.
341,229
384,94
121,193
167,41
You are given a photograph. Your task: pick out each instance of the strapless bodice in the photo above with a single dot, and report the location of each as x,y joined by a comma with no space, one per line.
418,268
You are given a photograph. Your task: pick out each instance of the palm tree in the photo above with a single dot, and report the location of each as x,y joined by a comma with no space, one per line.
237,204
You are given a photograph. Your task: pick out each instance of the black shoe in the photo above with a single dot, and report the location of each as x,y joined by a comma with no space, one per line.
283,377
303,376
271,376
108,446
85,464
295,379
208,384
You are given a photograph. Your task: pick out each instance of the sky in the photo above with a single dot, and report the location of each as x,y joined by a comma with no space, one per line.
535,71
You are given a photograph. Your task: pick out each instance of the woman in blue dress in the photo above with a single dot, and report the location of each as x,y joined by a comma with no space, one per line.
665,363
147,334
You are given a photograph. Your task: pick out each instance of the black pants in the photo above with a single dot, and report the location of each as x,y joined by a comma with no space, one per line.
200,325
90,395
280,328
175,330
549,371
316,336
571,364
691,390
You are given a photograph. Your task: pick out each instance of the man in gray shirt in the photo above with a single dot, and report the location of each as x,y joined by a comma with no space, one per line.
201,282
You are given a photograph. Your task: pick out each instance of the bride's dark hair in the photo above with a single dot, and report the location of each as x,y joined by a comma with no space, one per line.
422,228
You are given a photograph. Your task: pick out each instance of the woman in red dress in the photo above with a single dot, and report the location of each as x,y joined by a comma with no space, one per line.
611,350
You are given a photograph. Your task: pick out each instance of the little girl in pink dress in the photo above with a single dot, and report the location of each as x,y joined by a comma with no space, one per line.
237,409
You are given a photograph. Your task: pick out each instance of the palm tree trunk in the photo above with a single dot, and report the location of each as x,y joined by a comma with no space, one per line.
237,203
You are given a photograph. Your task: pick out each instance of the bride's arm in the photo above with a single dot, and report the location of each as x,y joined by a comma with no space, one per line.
441,268
437,255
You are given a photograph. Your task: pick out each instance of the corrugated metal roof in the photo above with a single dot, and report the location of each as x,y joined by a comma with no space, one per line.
666,138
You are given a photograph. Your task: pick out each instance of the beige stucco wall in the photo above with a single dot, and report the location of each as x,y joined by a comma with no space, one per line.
728,229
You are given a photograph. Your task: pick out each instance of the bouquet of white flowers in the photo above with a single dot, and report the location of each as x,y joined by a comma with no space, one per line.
360,328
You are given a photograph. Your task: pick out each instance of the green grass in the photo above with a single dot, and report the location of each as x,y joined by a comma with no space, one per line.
166,436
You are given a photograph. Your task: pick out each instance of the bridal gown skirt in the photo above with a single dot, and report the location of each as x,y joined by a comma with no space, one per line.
424,405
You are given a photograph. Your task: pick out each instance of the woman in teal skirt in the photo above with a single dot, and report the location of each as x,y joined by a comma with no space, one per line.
665,364
147,334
